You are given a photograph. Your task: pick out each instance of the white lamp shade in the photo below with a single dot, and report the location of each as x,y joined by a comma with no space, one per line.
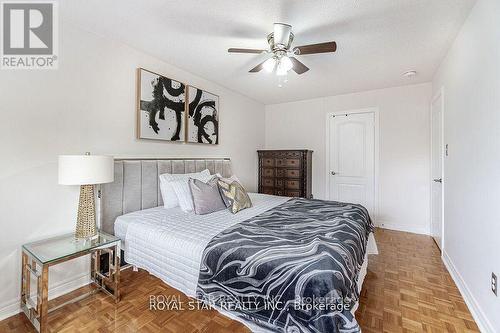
85,169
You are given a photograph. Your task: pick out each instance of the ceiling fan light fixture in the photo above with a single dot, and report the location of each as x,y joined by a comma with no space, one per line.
280,71
281,34
283,55
286,63
269,65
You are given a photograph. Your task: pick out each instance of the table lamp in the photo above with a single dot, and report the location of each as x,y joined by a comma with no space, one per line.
86,170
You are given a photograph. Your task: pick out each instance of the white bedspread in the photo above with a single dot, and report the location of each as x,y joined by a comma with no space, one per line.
169,243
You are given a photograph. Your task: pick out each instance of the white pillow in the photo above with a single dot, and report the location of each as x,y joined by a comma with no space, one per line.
167,192
183,193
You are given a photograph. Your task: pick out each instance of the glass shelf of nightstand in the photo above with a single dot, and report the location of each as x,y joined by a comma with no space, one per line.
54,249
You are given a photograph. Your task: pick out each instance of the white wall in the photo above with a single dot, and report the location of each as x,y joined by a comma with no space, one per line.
88,104
470,76
404,146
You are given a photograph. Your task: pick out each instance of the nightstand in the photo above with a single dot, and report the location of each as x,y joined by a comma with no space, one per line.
38,256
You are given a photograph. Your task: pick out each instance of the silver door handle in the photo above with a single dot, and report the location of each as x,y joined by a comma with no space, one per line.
333,173
438,180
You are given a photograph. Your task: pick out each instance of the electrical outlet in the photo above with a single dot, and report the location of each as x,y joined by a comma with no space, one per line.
494,284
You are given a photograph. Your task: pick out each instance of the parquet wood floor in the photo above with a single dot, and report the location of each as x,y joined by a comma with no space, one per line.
407,289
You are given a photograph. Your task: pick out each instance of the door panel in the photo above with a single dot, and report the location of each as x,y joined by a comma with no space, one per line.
352,159
436,171
352,193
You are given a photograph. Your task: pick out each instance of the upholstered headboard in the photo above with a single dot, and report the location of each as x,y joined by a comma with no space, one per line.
136,185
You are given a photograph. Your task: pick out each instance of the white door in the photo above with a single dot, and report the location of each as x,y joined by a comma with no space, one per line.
352,159
437,170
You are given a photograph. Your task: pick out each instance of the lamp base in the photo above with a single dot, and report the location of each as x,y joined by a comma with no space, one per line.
85,224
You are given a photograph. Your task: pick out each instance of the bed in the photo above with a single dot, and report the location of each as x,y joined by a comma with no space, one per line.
175,246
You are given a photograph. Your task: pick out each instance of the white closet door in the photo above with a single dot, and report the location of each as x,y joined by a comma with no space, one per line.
352,159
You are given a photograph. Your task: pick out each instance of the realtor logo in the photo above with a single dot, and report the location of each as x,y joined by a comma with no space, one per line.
29,35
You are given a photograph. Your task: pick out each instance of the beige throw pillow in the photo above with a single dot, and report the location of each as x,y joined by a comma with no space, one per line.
234,195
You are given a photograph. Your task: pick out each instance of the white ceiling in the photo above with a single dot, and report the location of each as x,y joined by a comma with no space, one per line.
377,40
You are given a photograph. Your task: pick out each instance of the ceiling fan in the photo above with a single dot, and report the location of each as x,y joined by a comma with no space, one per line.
283,55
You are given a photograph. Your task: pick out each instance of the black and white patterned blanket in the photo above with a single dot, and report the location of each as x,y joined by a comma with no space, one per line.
290,269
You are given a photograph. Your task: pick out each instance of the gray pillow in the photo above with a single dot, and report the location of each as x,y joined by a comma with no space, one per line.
206,196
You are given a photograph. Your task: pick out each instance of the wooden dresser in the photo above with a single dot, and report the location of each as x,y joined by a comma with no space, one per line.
285,172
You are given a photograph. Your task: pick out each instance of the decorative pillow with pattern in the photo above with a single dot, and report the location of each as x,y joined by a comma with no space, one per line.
228,180
234,195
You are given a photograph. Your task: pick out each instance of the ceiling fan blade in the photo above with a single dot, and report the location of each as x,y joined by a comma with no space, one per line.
298,67
258,68
316,48
236,50
281,33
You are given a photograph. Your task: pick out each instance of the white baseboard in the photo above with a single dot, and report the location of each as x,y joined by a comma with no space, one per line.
481,320
12,307
398,227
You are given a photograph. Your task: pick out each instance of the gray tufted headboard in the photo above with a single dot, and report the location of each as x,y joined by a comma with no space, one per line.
136,184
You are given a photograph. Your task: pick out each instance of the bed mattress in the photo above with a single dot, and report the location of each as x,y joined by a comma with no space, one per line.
169,243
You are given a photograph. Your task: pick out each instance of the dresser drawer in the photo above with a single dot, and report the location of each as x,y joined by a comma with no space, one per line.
292,173
292,162
280,162
268,182
279,183
268,162
279,192
293,193
292,184
280,172
267,190
267,172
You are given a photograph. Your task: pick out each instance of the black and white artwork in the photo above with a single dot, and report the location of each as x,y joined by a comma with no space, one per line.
161,107
203,117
